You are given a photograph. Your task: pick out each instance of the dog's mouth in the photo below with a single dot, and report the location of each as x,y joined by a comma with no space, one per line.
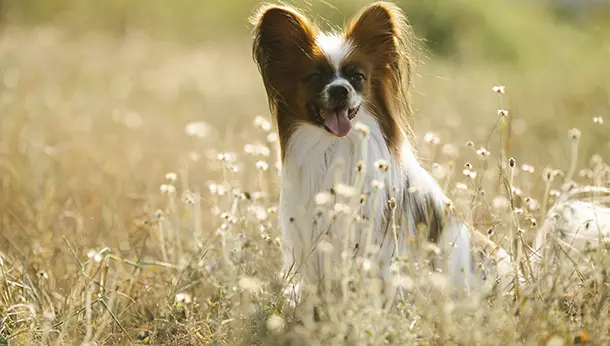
337,121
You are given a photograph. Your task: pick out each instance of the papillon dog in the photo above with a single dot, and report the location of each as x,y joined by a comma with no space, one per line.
351,185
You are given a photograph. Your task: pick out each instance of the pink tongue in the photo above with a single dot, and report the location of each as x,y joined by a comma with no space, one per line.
337,122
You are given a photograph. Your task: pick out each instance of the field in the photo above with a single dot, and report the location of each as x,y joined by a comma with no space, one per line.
139,175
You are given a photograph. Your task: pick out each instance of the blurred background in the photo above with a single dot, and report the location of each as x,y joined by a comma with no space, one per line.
100,99
99,94
552,56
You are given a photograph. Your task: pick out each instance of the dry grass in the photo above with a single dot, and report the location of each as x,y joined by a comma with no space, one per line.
100,245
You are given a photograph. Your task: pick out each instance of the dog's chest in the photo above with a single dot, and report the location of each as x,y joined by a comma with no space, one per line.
316,162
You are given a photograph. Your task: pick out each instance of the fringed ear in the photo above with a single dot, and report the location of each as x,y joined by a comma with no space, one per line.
381,33
282,38
380,30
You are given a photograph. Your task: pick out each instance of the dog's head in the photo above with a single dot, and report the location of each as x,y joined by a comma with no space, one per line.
324,79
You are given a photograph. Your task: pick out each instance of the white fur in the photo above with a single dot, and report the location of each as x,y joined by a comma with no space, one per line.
316,160
335,47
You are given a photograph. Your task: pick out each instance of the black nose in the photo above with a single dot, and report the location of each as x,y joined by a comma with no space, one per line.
338,92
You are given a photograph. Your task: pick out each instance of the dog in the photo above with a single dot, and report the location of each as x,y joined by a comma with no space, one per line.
352,189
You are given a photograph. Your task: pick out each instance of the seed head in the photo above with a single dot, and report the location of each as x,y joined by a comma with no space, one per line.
500,202
227,157
272,137
431,138
512,162
502,113
345,190
574,134
360,127
325,247
377,184
362,198
168,189
598,120
323,198
171,177
341,208
198,129
499,89
533,222
586,173
547,175
262,123
189,197
183,298
262,165
360,166
461,186
383,165
483,153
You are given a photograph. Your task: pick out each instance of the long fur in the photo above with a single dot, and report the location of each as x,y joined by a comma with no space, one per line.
376,158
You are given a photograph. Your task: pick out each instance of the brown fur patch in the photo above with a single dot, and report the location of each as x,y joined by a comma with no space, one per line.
382,37
285,51
284,42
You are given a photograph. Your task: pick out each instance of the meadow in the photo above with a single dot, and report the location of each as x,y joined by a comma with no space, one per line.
139,175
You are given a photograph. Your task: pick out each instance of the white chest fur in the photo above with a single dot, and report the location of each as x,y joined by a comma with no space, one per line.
317,233
315,161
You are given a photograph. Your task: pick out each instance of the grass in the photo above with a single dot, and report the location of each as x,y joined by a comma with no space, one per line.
138,194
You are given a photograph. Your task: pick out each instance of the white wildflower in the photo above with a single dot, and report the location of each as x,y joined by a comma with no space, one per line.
262,165
183,298
198,129
431,138
323,198
345,190
500,89
500,202
171,176
502,113
272,137
325,247
383,165
167,189
360,127
377,184
262,123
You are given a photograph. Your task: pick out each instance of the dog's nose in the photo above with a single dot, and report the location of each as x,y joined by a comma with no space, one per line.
338,92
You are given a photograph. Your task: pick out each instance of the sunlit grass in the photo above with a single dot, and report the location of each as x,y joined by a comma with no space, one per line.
139,187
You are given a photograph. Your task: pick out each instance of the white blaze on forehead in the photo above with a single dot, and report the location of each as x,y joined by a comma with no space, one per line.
334,46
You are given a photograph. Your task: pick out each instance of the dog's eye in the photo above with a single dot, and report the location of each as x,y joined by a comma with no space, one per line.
357,77
313,78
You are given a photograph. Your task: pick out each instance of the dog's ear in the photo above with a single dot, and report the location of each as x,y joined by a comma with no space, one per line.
282,37
378,30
